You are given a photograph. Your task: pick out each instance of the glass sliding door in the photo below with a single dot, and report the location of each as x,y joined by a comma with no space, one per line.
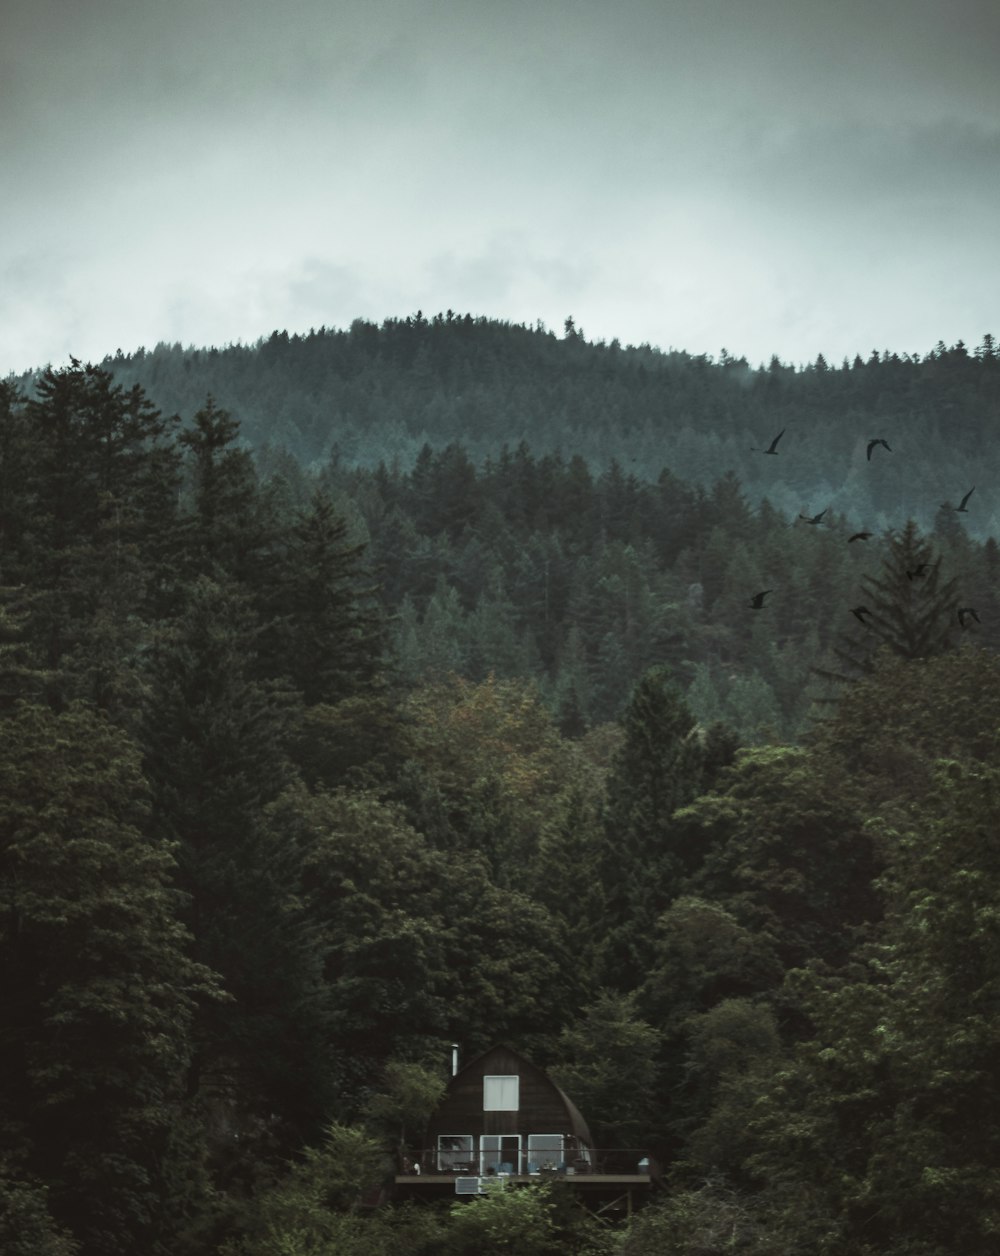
500,1153
545,1151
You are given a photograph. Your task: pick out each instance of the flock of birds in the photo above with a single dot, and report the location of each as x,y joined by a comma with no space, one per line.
965,613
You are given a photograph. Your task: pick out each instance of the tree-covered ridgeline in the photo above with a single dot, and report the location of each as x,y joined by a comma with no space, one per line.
377,393
308,773
557,503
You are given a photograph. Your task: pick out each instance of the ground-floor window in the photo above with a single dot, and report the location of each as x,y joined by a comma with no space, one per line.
455,1152
487,1154
545,1151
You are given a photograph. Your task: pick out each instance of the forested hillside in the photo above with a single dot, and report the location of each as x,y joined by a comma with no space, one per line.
313,765
378,393
575,513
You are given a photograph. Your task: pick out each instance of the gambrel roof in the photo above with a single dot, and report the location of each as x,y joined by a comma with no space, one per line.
543,1107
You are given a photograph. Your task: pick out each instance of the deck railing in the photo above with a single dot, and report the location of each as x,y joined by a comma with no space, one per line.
593,1161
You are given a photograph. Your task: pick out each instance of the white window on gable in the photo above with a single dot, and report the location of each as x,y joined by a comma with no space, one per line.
501,1093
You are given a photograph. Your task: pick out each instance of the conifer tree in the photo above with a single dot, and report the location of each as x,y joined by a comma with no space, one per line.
214,739
20,676
15,484
101,473
880,1132
657,770
911,609
442,634
324,631
608,1064
95,982
91,446
225,535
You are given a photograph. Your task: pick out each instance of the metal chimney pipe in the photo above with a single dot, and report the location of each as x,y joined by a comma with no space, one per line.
454,1058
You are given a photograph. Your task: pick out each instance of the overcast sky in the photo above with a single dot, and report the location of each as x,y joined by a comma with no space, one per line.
769,176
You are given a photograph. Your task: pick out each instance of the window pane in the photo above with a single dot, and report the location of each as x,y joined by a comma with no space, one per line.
545,1151
500,1153
454,1152
501,1094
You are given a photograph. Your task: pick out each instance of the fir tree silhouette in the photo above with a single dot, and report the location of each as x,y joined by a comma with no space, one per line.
912,619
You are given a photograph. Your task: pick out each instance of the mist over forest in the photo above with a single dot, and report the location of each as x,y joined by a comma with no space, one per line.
372,394
457,681
545,506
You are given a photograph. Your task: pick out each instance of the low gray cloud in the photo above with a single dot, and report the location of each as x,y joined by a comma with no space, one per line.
770,176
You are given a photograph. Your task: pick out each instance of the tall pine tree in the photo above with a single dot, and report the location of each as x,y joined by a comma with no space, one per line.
100,471
323,627
658,769
214,740
96,985
908,608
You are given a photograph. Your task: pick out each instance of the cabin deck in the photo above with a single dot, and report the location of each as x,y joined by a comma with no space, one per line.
603,1192
602,1186
524,1179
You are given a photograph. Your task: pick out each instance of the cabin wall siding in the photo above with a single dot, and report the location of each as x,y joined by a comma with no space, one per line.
541,1107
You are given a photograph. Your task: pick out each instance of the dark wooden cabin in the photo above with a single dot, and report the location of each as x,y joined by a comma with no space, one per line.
503,1119
502,1114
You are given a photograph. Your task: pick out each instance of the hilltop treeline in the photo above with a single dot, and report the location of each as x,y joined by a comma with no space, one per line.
375,394
308,774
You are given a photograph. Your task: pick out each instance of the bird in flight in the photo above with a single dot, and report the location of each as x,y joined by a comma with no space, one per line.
772,448
757,601
877,441
918,572
859,536
814,518
963,505
965,613
859,613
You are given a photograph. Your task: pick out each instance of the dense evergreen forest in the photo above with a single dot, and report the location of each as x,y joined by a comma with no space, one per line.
405,688
378,394
545,507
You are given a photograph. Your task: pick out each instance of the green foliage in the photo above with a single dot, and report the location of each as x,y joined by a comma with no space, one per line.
752,710
96,980
883,1125
398,924
506,1219
314,1209
323,632
379,393
359,741
658,769
226,531
733,1048
26,1227
313,1212
403,1103
507,778
712,1220
911,612
701,954
890,727
301,1228
89,482
503,551
798,946
784,848
215,756
608,1067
